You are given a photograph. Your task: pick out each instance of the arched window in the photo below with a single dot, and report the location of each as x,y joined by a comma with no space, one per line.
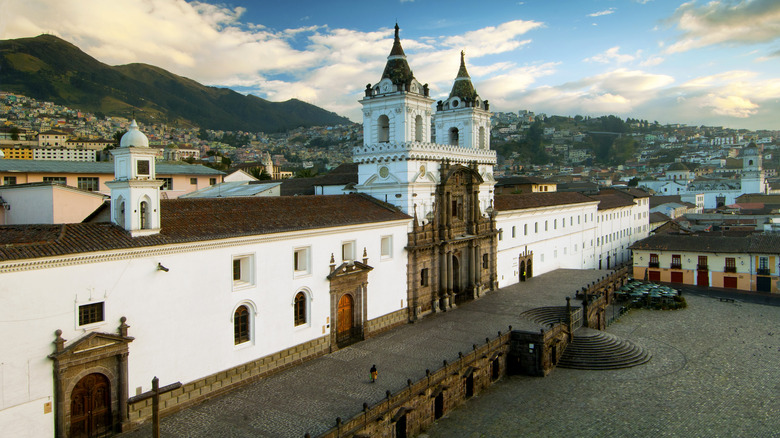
418,128
383,129
241,325
120,212
144,215
454,136
300,308
482,137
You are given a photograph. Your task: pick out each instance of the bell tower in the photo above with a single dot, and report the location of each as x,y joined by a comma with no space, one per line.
135,191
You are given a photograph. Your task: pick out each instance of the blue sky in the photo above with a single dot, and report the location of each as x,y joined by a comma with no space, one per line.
711,63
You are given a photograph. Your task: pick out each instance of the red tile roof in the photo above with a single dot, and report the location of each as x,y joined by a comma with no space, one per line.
537,200
193,220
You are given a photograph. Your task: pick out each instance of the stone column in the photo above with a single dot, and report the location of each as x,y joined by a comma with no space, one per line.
448,301
122,391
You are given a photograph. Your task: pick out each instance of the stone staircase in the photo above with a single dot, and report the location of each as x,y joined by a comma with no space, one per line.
546,315
596,350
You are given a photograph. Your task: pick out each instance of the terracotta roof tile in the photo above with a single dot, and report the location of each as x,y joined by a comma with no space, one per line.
193,220
537,200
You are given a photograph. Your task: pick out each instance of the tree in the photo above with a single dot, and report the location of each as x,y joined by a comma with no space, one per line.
259,173
633,182
306,173
14,133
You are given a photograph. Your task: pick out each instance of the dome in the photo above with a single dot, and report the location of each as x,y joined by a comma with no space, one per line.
134,138
463,88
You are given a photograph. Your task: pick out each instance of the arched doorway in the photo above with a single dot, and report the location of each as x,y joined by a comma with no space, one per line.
345,318
522,270
529,272
90,407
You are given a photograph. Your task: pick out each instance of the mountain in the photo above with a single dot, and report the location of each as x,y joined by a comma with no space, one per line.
51,69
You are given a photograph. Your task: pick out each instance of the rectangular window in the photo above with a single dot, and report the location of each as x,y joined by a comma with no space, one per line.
301,261
555,224
500,234
142,167
654,261
55,179
167,183
676,261
212,181
763,266
243,274
485,261
525,229
424,277
702,265
194,181
536,227
348,251
88,183
387,246
9,180
545,225
513,231
91,313
731,265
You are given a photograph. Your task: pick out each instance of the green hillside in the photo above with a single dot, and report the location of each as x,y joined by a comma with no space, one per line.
48,68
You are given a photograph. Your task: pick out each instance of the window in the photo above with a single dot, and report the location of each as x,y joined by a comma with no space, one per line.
9,180
418,128
301,261
241,325
513,231
424,277
300,308
484,261
167,183
653,261
194,181
387,247
55,179
525,229
545,225
348,251
88,183
242,271
142,167
731,265
500,234
383,129
536,227
555,224
453,136
763,266
676,261
212,181
91,313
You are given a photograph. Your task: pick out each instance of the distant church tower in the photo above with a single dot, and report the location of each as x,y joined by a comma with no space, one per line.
447,186
753,178
135,192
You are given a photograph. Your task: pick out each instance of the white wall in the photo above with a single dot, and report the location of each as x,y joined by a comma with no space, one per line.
181,319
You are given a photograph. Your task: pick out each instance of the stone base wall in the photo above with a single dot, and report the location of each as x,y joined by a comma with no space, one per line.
417,406
188,394
386,322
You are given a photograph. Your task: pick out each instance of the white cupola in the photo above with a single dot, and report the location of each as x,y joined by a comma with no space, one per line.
135,191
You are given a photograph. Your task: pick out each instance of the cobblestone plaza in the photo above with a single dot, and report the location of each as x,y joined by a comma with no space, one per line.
715,372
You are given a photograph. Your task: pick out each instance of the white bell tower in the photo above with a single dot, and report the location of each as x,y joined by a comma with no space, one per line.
135,193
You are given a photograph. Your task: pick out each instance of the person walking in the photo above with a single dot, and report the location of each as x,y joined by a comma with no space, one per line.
373,373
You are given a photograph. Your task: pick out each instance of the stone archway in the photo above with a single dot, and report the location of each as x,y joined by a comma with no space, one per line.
348,290
90,407
522,270
90,385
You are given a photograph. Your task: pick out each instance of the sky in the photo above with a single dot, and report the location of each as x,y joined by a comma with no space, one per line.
714,63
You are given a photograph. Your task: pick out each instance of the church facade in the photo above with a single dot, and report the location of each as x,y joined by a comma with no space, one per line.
209,294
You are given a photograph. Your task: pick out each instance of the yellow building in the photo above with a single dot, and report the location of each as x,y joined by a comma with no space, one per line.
735,262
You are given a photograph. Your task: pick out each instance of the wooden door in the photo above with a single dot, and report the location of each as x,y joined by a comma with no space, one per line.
344,318
677,277
655,276
90,407
730,282
702,278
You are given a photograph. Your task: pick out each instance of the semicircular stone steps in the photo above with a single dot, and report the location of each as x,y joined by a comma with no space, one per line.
595,350
546,315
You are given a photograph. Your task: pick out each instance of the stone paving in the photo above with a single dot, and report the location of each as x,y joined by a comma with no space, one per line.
308,398
715,372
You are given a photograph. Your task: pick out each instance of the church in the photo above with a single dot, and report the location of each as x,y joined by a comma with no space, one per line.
209,294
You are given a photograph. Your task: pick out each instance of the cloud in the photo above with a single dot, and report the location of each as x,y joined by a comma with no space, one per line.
725,22
611,56
602,13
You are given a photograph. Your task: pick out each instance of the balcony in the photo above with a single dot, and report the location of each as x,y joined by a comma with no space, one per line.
701,267
675,266
762,271
653,265
730,269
